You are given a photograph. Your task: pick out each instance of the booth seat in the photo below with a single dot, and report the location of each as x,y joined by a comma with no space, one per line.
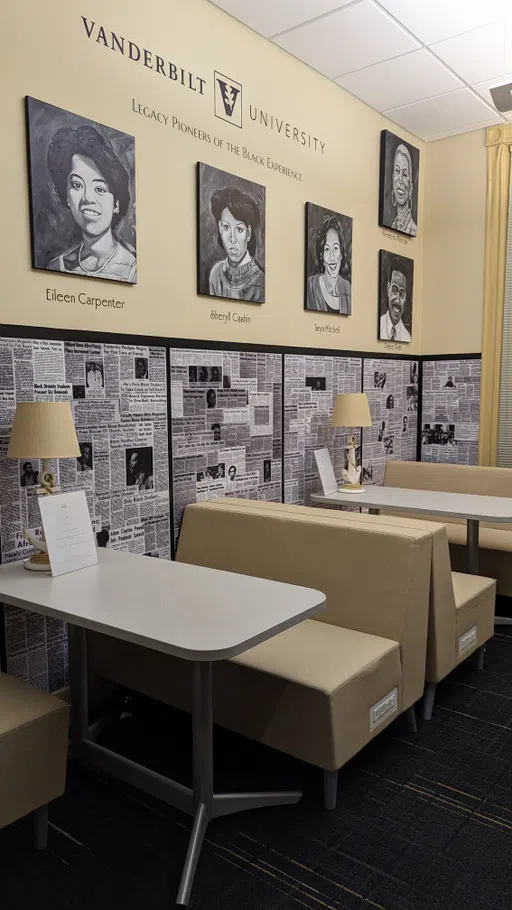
461,609
33,753
495,539
323,689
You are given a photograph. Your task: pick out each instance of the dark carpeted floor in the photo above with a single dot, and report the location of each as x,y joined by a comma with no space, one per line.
424,822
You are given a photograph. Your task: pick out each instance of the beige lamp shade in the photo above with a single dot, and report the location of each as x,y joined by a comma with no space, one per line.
43,429
351,410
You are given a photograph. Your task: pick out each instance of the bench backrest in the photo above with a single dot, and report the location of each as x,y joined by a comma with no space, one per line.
376,576
441,654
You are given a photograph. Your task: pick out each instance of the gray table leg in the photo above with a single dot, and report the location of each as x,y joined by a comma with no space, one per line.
473,531
201,801
77,639
202,738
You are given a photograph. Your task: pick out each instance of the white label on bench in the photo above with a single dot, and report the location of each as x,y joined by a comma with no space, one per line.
467,640
383,709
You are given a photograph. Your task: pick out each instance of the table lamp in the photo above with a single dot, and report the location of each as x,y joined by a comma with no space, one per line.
43,430
351,410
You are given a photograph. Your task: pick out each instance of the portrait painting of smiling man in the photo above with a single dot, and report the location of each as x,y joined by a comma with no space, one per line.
82,191
231,236
328,261
396,297
399,173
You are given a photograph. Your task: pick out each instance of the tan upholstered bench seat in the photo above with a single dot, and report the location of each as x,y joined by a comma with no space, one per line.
33,748
329,674
474,603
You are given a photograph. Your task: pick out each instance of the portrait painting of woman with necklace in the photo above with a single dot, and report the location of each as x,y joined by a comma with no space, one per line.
328,261
83,195
231,236
398,199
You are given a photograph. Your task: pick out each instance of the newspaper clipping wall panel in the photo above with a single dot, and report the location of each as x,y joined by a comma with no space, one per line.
118,395
311,384
226,426
451,411
392,389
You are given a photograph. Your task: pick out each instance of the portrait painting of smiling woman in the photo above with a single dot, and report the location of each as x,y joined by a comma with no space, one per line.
230,236
82,183
399,172
328,261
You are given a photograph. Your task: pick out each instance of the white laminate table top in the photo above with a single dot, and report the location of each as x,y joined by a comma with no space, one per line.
184,610
443,505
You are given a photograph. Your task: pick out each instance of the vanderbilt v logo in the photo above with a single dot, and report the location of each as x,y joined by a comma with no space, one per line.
229,95
228,99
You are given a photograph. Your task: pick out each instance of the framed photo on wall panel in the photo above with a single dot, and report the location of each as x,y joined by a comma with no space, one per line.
328,285
398,186
396,288
82,195
230,236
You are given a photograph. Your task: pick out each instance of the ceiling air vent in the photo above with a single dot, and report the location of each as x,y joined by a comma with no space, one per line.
502,97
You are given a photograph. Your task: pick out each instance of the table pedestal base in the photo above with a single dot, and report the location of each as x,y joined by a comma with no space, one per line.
200,801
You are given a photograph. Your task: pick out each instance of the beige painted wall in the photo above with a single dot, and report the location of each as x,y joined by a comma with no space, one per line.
454,245
46,54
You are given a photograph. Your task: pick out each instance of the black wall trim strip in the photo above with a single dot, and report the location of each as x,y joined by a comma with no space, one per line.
57,334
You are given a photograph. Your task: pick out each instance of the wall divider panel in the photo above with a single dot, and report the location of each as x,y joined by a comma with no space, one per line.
226,408
311,382
450,405
392,387
118,394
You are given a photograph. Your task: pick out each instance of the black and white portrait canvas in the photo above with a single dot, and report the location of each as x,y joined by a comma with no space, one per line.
82,193
328,261
230,236
399,174
396,286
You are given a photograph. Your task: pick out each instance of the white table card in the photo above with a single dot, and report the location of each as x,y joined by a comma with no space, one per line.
68,532
326,471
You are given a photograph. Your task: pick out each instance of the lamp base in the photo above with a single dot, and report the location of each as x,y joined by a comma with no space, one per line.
38,562
352,488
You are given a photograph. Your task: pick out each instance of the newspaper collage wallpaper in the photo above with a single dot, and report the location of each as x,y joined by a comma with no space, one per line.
392,389
118,394
226,426
311,383
450,411
227,409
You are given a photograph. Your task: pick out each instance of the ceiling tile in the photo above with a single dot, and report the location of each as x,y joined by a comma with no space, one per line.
453,111
400,81
269,17
348,39
435,20
477,55
464,129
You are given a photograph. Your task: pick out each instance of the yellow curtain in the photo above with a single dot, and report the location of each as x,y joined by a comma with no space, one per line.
499,140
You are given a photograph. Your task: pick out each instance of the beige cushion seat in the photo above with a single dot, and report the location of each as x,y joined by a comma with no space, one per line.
33,751
474,599
328,674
